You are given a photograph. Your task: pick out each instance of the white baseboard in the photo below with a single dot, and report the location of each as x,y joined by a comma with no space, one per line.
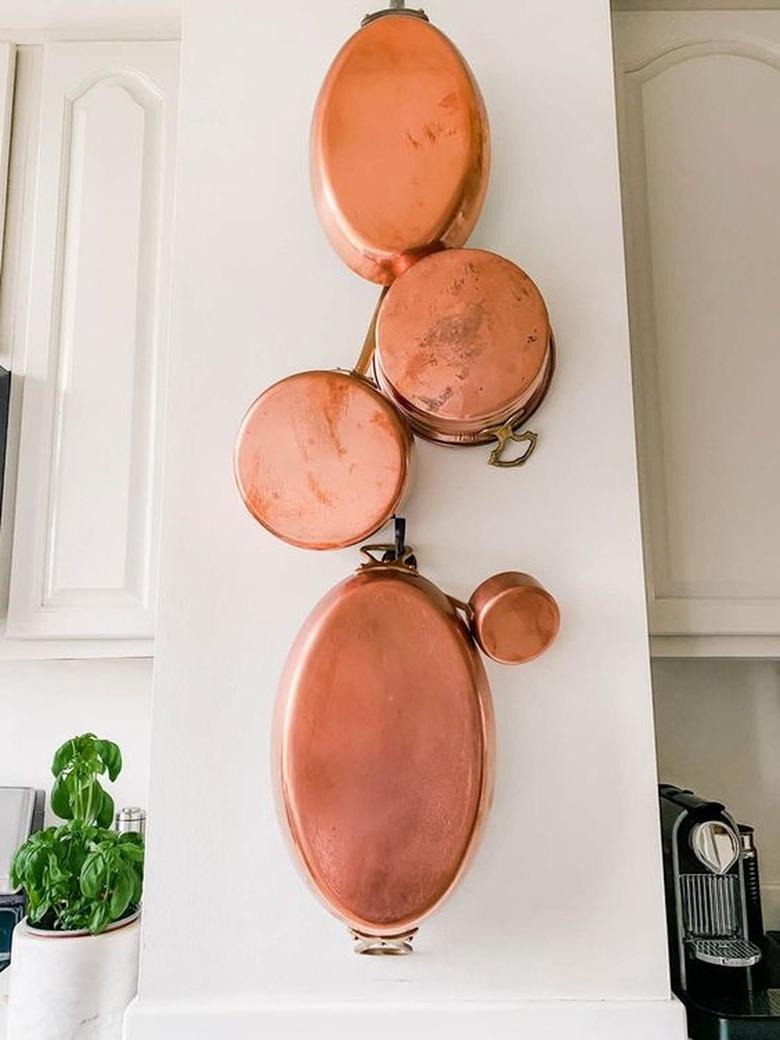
453,1020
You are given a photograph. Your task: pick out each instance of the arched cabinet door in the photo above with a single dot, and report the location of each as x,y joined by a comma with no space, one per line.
91,356
699,117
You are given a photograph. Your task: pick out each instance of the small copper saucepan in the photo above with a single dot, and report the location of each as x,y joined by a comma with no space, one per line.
513,618
399,146
464,350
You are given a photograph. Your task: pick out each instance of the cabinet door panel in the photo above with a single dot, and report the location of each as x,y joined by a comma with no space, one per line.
7,69
85,538
699,99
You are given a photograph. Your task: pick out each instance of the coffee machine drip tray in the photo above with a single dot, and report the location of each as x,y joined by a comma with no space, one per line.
729,953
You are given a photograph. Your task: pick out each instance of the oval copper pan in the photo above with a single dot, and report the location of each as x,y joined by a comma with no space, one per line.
384,749
464,344
399,147
322,459
514,619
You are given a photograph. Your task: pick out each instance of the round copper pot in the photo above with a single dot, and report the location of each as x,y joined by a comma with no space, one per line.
384,750
464,349
399,146
514,619
322,459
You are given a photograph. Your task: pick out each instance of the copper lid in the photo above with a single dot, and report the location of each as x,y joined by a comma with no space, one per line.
321,459
399,147
463,339
514,619
384,749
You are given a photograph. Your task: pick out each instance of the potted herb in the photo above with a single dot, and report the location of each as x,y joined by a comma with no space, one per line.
74,962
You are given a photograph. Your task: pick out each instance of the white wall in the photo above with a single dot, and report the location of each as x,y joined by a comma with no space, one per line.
42,703
563,903
718,732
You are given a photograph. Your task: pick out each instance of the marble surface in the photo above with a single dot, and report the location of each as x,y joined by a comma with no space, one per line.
5,977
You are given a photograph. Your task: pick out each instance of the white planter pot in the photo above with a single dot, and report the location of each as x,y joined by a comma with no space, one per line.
71,987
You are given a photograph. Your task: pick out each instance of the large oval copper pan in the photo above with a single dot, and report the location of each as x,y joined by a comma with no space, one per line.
464,347
384,749
322,459
399,146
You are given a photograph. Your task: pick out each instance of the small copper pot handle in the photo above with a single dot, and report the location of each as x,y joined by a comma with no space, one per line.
504,434
466,609
369,343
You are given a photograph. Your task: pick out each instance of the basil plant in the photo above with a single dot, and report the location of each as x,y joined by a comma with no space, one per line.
81,874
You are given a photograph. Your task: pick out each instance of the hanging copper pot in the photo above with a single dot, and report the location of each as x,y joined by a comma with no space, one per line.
384,746
464,349
322,458
514,619
399,146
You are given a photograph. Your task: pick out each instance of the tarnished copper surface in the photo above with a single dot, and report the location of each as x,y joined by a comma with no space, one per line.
463,345
399,147
384,748
514,618
321,459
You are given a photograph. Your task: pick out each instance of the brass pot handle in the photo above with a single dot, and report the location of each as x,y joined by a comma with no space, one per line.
504,434
369,343
464,607
394,554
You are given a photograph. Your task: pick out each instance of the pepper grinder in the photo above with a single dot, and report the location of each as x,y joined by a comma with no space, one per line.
131,818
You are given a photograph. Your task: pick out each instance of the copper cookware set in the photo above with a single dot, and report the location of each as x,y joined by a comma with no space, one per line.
460,348
384,729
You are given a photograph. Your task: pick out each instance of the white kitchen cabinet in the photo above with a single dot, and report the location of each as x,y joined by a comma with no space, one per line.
7,69
91,345
699,123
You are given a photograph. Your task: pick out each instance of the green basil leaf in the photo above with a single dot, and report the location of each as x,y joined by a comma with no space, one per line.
137,887
63,756
123,892
133,852
35,911
99,918
56,873
105,814
36,865
110,756
93,876
60,800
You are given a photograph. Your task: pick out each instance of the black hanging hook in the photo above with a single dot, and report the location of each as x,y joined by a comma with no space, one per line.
400,551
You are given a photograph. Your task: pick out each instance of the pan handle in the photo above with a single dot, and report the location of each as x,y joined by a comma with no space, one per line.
464,607
369,343
504,435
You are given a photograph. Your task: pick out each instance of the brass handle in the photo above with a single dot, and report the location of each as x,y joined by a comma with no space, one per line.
406,560
369,343
505,434
464,607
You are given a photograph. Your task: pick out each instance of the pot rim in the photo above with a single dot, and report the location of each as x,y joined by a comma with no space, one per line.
479,431
77,933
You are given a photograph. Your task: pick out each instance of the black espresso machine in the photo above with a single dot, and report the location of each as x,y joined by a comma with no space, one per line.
724,967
